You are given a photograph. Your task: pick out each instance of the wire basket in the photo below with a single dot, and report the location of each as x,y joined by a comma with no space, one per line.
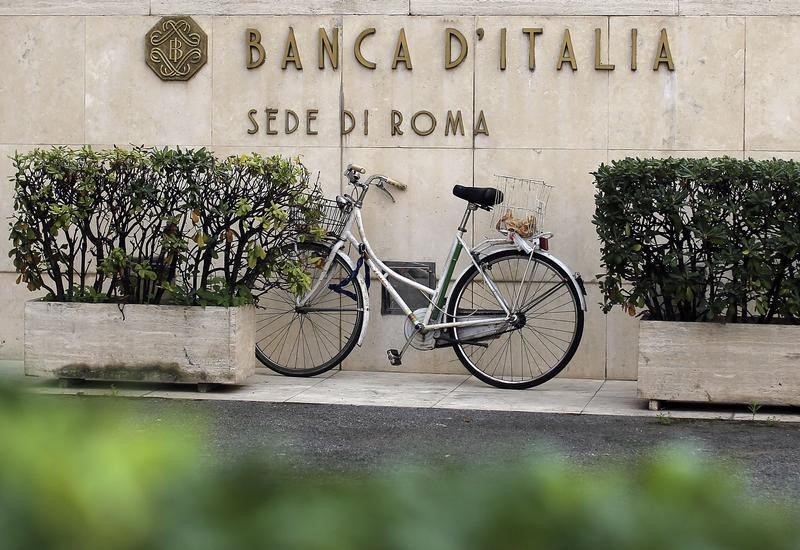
522,205
320,213
331,218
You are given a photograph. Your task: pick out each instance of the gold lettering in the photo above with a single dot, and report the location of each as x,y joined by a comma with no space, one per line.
291,129
449,62
397,120
480,126
432,119
502,50
567,53
251,115
291,53
664,54
357,48
175,49
598,64
311,116
634,49
401,52
532,32
330,46
254,41
455,123
351,119
272,114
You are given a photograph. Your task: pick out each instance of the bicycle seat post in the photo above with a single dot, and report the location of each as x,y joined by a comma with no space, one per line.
467,213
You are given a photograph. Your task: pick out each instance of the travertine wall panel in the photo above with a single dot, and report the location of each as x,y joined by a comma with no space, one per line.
622,339
12,305
74,7
772,85
545,7
544,107
237,89
278,7
738,7
699,105
41,89
427,86
400,7
126,102
767,155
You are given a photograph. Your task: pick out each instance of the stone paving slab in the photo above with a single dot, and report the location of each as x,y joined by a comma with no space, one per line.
441,391
570,402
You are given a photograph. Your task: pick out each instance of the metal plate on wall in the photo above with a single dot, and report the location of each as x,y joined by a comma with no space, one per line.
421,272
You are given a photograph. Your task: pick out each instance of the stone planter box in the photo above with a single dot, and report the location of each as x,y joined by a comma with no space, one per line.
716,363
148,343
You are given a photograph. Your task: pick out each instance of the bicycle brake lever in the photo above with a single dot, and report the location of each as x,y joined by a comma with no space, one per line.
382,188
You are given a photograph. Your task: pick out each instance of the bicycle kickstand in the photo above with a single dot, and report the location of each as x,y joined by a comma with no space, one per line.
396,357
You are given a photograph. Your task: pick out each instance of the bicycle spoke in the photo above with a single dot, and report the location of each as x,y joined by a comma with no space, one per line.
312,338
547,310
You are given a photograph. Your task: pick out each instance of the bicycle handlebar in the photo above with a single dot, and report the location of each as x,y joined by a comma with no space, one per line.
356,168
395,183
353,173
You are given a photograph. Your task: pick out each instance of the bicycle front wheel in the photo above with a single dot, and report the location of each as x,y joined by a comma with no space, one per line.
315,337
546,325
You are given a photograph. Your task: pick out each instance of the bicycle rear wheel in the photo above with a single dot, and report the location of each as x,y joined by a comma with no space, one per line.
314,338
547,325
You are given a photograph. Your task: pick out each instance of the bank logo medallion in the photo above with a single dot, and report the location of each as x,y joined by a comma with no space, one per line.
176,48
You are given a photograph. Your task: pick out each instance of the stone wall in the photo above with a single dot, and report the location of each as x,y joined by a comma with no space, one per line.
73,72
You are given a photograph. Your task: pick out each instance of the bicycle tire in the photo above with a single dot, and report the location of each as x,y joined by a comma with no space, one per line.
280,323
470,296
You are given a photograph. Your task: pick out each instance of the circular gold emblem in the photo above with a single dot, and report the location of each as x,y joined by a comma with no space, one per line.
176,48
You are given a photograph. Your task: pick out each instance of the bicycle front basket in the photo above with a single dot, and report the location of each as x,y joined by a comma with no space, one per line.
523,206
323,213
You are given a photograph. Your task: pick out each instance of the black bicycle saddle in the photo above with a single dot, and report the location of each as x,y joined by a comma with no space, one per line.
485,197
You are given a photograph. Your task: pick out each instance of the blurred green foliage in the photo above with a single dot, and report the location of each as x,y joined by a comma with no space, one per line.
73,479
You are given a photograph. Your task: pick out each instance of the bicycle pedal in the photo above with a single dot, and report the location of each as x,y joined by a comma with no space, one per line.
394,357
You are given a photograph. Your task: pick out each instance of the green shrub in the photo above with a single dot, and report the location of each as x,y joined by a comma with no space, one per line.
700,239
77,476
137,225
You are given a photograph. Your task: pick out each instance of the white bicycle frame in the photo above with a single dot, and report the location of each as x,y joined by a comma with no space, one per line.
436,295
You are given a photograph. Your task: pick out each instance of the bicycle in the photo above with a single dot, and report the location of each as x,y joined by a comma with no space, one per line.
514,316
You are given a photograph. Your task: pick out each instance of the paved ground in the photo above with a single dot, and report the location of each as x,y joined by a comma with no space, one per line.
345,438
439,391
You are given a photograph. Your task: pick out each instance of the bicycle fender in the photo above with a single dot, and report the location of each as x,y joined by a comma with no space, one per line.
572,278
360,281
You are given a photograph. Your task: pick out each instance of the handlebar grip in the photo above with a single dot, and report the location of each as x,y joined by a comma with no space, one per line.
395,183
356,168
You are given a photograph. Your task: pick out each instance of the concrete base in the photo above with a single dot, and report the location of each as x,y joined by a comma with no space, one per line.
190,345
